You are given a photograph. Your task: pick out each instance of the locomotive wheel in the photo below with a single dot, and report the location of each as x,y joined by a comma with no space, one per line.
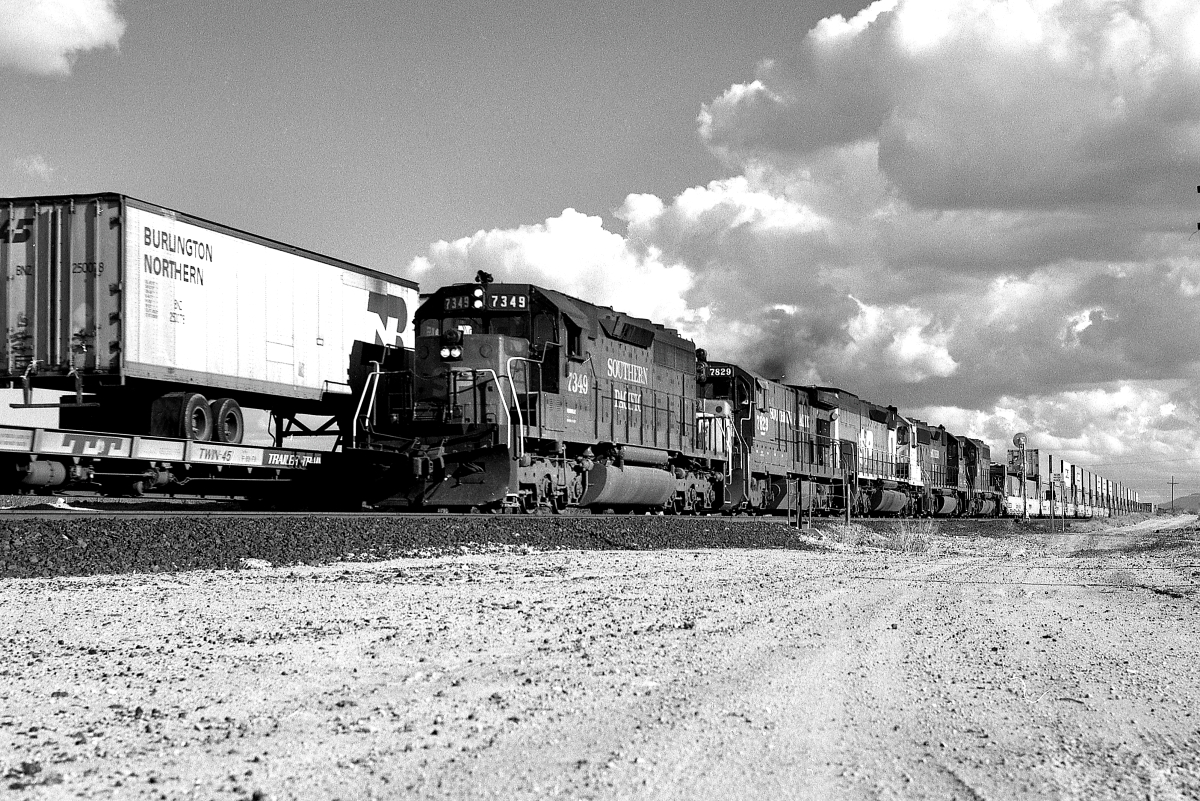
228,424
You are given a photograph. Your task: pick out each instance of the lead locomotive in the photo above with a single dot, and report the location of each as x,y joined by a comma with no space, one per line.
524,397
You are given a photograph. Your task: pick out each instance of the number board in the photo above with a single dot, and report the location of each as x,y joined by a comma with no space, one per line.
720,372
508,302
498,302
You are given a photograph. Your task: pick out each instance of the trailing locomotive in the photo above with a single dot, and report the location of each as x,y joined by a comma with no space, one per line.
823,449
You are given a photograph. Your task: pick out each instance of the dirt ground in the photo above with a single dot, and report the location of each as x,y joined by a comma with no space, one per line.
987,667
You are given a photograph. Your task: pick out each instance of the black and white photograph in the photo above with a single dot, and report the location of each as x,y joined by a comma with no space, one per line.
538,399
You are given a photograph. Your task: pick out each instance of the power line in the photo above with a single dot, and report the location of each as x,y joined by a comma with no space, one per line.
1148,461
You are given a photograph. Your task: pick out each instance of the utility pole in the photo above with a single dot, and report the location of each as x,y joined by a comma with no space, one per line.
1173,482
1019,440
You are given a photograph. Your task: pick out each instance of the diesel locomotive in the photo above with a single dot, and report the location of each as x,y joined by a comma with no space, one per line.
522,397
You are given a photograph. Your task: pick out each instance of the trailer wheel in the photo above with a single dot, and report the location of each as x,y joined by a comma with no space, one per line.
181,414
228,425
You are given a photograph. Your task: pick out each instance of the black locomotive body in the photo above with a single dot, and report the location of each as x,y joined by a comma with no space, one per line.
525,397
822,449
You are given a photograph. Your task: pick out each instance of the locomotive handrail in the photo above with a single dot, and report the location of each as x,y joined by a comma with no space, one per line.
507,414
520,418
371,387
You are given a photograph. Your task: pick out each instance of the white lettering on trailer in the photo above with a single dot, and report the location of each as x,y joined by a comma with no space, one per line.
386,332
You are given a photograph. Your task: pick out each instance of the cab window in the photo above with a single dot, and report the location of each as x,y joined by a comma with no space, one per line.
574,339
509,325
464,325
545,329
717,389
431,328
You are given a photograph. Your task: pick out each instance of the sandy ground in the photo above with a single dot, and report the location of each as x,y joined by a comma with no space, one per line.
1030,666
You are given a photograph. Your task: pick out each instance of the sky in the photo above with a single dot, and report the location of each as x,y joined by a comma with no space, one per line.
982,212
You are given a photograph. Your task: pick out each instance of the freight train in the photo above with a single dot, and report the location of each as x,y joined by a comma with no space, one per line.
501,396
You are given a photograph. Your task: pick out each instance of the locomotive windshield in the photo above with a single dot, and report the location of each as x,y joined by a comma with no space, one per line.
513,325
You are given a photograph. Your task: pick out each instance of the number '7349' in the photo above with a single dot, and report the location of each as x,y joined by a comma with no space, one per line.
577,382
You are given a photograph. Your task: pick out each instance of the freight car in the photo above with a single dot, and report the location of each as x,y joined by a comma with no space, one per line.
153,322
44,460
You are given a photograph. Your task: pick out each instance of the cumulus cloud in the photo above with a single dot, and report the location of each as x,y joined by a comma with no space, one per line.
46,36
948,205
572,253
35,166
1133,432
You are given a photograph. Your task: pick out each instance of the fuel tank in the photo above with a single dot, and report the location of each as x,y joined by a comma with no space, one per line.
609,485
886,502
944,505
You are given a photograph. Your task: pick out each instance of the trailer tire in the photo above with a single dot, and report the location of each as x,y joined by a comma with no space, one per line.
181,414
197,422
228,423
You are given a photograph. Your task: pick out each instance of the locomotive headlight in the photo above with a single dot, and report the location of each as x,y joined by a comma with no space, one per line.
477,303
478,292
445,353
456,352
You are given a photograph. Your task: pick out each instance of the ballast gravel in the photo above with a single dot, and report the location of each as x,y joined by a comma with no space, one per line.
997,663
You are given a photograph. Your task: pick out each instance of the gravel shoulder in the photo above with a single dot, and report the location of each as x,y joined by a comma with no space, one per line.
1019,666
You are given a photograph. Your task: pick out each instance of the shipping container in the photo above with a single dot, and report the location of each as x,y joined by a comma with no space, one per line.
147,314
